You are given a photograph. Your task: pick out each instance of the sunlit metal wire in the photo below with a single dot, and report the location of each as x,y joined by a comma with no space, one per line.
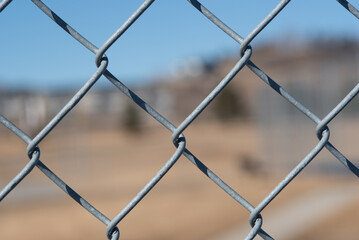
322,131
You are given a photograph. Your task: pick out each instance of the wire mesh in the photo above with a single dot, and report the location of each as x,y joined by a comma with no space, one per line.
255,219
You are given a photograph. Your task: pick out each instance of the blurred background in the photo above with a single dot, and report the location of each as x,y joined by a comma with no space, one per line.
107,148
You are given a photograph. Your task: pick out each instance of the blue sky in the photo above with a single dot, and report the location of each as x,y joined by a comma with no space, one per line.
36,53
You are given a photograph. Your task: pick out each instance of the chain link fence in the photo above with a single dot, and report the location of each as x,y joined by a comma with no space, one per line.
255,219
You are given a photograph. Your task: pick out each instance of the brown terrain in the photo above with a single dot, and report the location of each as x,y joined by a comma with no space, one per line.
108,168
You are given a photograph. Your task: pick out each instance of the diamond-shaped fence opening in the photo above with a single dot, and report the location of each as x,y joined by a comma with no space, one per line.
287,146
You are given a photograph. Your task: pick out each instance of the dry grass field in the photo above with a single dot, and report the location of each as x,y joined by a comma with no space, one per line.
109,167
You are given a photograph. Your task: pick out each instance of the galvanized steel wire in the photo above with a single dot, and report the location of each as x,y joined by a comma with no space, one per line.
255,219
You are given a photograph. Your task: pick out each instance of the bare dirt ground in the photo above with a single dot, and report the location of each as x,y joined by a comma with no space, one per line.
340,223
299,216
109,167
